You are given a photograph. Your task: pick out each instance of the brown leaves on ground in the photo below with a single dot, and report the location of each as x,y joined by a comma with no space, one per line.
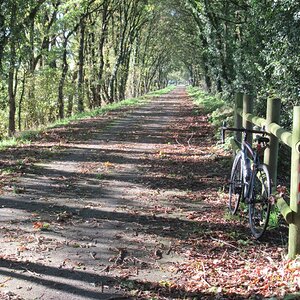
184,201
222,259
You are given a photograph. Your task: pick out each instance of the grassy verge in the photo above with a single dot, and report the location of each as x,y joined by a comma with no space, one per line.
158,93
28,135
205,101
216,108
111,107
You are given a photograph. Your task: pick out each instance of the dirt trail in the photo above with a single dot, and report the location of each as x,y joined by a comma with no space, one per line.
96,208
121,206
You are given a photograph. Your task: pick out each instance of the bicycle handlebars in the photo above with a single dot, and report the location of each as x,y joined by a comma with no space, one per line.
224,128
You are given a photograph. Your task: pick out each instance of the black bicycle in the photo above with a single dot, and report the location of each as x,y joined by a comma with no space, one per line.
250,180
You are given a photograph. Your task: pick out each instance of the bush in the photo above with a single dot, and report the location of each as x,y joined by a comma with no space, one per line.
213,105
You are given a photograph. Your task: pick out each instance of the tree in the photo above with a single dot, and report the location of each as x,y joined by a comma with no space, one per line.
60,57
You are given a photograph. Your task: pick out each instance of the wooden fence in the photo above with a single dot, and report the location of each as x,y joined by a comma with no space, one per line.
244,118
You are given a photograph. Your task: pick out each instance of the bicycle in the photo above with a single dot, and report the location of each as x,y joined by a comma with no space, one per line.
250,181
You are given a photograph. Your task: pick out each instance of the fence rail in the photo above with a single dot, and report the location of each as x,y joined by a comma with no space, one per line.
244,117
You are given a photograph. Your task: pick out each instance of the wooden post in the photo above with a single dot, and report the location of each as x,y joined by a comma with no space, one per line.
294,228
284,209
238,120
248,108
271,153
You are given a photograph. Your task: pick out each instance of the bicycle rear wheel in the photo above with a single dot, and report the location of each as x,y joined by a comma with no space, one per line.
259,203
236,185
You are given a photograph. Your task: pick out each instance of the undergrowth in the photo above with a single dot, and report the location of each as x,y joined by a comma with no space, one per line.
212,105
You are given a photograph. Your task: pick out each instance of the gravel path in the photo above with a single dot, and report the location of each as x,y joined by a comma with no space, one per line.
90,216
130,205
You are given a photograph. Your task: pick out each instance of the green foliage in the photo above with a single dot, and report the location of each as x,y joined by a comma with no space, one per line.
57,56
28,135
274,217
228,216
41,107
3,123
249,46
161,92
100,176
8,142
224,113
217,108
206,101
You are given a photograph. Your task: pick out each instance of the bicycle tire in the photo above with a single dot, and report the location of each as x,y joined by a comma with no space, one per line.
259,202
236,185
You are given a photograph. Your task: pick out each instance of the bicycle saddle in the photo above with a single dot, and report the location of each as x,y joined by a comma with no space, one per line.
262,139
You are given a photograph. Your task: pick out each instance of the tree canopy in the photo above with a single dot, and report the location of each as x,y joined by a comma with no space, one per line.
61,57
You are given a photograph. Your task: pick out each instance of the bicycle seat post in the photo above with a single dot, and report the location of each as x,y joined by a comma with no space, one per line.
245,136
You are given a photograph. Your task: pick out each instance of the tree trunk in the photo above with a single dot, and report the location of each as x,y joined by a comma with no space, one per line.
20,102
65,67
91,58
3,38
11,74
119,58
71,97
105,19
80,103
11,94
219,85
125,75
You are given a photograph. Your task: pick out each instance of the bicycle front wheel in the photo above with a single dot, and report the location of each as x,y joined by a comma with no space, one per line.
236,186
259,202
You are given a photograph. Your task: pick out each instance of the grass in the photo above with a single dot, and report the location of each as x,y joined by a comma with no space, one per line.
208,102
161,92
274,219
228,216
7,170
99,111
217,109
10,142
100,176
27,136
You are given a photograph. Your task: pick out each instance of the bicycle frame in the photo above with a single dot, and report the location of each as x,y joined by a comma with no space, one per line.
245,148
250,181
248,174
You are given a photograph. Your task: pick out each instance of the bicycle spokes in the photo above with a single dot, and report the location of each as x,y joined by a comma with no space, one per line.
259,204
236,184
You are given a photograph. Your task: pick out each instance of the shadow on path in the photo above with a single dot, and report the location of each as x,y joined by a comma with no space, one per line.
130,193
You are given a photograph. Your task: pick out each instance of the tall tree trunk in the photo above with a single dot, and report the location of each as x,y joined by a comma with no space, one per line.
34,118
125,74
80,103
113,78
71,96
11,74
21,102
205,63
92,84
65,67
11,94
105,20
119,58
3,38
